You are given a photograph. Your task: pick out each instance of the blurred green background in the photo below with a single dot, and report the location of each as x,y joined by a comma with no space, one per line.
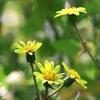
34,20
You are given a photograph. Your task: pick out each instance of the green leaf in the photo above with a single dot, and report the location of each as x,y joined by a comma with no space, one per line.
2,77
92,6
45,50
35,21
67,46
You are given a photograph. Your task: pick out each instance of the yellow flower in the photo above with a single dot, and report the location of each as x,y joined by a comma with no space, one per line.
74,75
71,11
29,48
49,73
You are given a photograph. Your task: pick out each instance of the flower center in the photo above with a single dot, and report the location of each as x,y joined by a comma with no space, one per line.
28,48
72,10
49,75
73,72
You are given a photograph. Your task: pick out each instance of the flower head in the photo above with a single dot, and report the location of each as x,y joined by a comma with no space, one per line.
71,11
49,73
29,48
74,75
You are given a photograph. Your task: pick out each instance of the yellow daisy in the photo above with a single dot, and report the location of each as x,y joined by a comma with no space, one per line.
29,48
49,73
70,11
74,75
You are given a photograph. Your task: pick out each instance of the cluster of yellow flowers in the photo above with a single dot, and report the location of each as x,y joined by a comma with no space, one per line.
49,73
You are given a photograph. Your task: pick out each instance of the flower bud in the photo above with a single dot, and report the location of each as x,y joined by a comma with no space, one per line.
48,85
30,58
68,81
72,18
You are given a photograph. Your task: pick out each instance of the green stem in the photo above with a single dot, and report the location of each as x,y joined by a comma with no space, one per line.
0,98
46,93
55,91
84,44
35,83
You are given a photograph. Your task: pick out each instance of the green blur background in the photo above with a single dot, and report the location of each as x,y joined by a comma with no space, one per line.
34,20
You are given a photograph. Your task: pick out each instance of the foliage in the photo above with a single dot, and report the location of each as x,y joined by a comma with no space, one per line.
23,20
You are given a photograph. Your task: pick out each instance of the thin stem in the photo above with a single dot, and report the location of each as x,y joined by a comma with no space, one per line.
55,91
0,98
84,44
35,83
46,92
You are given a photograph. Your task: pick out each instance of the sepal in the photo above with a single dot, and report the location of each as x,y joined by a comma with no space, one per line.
68,81
30,58
48,85
72,18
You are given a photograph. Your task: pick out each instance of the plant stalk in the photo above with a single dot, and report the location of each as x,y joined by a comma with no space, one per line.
84,44
55,91
46,93
35,83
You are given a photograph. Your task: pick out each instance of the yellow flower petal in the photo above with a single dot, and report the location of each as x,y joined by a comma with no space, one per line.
29,48
70,11
51,65
37,45
47,65
49,73
18,51
60,75
30,53
59,81
29,43
41,67
33,43
50,82
83,81
76,13
66,68
22,43
38,74
18,46
56,69
72,76
79,9
44,81
75,76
